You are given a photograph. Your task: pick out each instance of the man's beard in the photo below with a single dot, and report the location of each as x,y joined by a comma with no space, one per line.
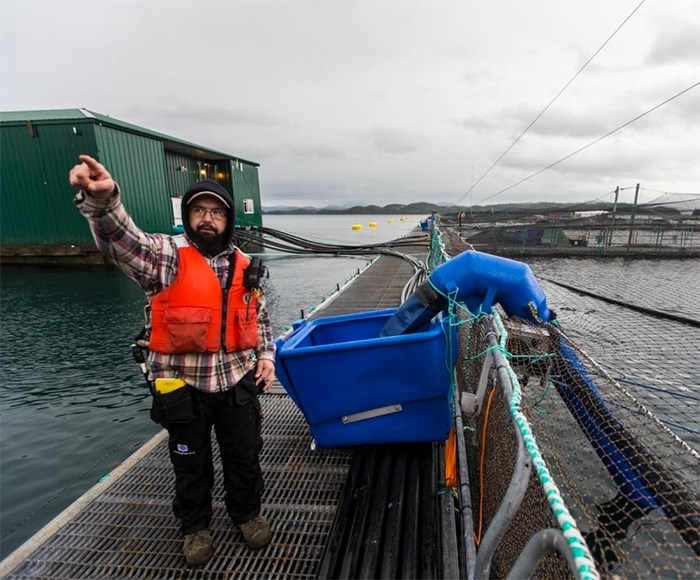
209,245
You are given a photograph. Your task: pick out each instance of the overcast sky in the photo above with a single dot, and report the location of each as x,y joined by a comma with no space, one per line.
383,101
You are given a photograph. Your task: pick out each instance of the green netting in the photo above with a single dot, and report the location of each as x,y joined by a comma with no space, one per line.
611,434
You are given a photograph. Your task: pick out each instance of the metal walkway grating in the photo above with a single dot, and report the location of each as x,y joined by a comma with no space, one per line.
378,287
129,530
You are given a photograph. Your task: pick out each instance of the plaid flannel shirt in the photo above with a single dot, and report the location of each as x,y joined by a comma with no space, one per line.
151,261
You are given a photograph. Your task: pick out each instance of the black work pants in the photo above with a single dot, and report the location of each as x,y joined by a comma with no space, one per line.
237,429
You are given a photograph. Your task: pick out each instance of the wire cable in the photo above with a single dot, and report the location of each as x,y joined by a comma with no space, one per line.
608,134
566,86
643,309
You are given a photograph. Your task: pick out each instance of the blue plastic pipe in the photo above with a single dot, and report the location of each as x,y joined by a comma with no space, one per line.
638,473
479,280
610,440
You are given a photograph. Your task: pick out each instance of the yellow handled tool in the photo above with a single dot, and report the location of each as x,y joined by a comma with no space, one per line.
164,386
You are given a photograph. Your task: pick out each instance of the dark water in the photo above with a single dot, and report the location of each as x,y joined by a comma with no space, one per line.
652,356
72,405
72,401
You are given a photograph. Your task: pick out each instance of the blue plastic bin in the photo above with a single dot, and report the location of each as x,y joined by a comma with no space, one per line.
355,388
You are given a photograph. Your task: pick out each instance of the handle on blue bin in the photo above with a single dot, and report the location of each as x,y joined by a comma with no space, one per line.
296,325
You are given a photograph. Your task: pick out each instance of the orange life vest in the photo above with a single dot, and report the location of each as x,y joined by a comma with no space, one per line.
194,314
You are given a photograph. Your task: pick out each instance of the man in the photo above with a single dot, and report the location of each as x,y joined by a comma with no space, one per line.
211,348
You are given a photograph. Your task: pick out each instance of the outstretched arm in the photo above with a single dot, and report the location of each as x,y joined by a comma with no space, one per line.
148,259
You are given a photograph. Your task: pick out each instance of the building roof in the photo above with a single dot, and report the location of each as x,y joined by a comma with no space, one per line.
84,115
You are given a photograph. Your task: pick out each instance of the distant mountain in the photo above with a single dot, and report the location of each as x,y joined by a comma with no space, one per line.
418,208
288,209
304,208
425,208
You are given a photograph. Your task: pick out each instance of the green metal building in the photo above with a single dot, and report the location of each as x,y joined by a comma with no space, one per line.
38,149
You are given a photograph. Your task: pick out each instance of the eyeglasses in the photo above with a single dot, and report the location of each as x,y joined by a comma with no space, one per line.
216,214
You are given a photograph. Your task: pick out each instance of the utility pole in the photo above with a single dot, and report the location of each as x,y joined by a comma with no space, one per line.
471,199
634,211
614,212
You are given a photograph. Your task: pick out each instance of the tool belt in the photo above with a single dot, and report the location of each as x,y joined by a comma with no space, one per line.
172,398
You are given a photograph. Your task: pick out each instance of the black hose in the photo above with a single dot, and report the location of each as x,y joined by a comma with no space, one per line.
322,246
296,245
644,310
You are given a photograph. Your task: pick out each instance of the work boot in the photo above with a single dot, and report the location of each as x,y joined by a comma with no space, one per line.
198,548
256,532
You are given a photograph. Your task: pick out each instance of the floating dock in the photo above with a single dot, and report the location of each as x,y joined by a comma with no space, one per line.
124,526
607,488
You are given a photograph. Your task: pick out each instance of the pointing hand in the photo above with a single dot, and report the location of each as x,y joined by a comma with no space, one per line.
91,176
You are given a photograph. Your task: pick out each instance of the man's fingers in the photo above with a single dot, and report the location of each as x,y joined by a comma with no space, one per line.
91,176
265,373
89,161
96,169
97,187
267,378
79,176
73,178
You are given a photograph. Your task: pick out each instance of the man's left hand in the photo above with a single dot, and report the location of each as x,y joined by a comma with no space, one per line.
265,374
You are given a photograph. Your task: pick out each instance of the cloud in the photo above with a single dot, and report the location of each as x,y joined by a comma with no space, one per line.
210,116
380,102
393,140
679,44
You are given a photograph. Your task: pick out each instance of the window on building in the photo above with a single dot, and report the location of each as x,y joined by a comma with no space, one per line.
248,206
176,203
